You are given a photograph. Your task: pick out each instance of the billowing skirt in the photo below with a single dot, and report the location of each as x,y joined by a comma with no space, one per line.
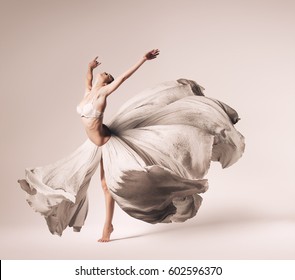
160,149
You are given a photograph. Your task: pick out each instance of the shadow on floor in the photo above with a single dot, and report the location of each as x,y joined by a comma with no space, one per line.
223,219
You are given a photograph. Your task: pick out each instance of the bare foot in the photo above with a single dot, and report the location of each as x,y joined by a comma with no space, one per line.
107,230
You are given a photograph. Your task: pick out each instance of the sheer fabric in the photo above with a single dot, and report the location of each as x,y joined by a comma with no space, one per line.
162,143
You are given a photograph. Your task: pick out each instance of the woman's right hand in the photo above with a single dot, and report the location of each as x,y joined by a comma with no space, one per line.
94,63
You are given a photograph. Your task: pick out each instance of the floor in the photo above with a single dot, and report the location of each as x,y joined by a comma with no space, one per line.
208,237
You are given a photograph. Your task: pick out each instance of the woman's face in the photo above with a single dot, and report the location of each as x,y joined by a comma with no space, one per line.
105,77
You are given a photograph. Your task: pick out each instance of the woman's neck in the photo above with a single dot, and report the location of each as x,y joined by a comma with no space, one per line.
97,85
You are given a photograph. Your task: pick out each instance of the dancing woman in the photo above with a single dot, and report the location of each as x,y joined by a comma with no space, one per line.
153,154
91,110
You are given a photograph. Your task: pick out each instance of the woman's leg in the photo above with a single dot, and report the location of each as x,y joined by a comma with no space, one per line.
109,202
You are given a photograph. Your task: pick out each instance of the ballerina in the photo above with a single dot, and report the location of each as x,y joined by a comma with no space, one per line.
153,154
91,110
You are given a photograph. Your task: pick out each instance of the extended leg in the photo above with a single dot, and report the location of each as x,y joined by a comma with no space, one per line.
109,202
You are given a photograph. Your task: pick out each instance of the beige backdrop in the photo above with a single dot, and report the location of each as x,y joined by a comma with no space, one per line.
242,52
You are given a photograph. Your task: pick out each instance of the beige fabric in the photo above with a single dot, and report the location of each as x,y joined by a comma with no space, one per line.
161,146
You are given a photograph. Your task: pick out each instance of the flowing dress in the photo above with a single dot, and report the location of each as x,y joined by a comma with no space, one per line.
161,146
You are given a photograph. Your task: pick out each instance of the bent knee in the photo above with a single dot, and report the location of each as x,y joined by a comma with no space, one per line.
104,186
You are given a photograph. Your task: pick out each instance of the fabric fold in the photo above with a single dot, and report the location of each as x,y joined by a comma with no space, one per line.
155,162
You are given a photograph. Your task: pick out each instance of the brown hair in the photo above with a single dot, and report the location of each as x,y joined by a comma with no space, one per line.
111,79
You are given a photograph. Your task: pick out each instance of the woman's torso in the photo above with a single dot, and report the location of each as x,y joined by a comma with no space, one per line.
91,110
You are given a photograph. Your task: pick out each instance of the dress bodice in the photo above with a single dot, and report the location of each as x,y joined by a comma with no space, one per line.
88,111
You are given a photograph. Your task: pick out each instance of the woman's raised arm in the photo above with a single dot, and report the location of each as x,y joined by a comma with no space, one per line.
108,89
89,76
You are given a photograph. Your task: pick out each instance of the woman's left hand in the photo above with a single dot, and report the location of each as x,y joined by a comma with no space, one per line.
151,54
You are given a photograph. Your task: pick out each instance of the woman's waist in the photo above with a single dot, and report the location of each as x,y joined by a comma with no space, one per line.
99,136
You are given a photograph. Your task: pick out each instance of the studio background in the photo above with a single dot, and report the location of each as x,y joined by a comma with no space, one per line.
242,52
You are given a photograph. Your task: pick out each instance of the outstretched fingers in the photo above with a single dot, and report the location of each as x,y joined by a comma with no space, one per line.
94,63
152,54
